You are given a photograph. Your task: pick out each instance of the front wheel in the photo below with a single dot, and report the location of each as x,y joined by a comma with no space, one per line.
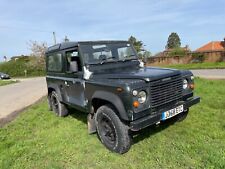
112,132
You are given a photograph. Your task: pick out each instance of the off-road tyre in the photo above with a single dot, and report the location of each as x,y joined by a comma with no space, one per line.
59,108
112,132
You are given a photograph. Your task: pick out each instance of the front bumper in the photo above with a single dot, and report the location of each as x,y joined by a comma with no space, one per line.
153,119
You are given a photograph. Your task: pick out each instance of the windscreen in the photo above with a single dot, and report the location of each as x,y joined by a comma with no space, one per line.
109,52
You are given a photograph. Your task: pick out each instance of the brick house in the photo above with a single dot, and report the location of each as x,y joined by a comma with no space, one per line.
213,51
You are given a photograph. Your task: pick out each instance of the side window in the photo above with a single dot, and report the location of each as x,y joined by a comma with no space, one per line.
73,61
54,62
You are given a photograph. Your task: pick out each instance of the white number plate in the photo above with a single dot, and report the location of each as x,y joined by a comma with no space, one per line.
173,112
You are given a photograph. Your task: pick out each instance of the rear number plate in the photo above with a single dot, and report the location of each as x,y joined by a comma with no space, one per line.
173,112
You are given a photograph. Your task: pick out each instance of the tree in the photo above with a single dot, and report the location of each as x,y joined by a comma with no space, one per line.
37,49
177,52
138,45
144,55
173,41
147,54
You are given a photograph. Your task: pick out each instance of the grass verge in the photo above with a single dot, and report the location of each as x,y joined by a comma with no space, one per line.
7,82
39,139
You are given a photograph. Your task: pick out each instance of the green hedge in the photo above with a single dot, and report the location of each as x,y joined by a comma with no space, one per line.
16,68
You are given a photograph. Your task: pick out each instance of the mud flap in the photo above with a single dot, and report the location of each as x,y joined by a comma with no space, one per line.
91,123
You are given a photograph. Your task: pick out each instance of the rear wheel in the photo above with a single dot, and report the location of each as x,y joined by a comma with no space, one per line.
112,132
59,108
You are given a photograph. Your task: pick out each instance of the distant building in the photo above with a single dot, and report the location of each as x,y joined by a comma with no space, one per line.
212,46
213,51
15,58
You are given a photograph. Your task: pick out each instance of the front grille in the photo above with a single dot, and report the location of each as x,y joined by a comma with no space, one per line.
165,90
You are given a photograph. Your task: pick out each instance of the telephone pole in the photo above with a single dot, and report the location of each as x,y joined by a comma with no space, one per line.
54,37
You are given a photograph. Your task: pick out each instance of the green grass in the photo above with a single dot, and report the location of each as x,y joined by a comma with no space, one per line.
39,139
7,82
15,68
217,65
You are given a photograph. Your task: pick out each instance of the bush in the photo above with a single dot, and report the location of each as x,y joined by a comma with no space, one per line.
197,58
177,52
17,66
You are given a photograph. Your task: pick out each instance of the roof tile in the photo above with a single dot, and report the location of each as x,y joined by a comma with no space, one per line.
212,46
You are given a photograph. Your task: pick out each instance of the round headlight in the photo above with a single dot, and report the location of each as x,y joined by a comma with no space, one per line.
135,92
142,96
185,84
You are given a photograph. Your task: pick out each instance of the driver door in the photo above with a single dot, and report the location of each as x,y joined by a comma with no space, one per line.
74,82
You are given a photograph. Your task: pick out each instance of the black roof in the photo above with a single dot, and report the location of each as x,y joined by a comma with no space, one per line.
66,45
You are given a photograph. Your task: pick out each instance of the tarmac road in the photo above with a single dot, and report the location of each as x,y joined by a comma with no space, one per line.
210,73
15,97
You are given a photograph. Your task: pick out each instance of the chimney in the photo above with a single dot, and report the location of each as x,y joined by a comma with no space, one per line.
223,42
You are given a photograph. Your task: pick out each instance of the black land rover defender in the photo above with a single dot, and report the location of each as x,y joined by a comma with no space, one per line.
106,80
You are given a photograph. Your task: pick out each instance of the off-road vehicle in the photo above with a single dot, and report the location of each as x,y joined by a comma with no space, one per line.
106,80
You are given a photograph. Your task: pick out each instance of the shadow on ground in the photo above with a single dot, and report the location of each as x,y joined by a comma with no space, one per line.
151,130
137,136
81,116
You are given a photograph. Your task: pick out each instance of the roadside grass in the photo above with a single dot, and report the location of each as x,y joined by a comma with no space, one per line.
217,65
39,139
7,82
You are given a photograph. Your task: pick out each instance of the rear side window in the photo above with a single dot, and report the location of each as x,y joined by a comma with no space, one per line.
54,62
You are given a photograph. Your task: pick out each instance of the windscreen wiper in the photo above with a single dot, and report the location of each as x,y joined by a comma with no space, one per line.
106,60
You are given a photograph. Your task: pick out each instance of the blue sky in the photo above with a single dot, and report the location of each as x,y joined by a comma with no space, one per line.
196,22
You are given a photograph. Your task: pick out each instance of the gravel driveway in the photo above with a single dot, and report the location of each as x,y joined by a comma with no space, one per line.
17,96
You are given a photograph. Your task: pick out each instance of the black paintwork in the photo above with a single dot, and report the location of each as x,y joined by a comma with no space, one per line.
102,86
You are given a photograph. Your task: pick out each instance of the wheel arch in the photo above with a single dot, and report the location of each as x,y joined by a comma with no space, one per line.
52,88
102,98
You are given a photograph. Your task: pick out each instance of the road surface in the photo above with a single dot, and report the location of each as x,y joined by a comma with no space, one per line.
210,73
15,97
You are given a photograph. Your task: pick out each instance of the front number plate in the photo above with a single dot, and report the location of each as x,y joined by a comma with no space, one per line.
173,112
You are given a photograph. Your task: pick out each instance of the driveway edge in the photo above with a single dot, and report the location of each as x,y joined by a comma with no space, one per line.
10,117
